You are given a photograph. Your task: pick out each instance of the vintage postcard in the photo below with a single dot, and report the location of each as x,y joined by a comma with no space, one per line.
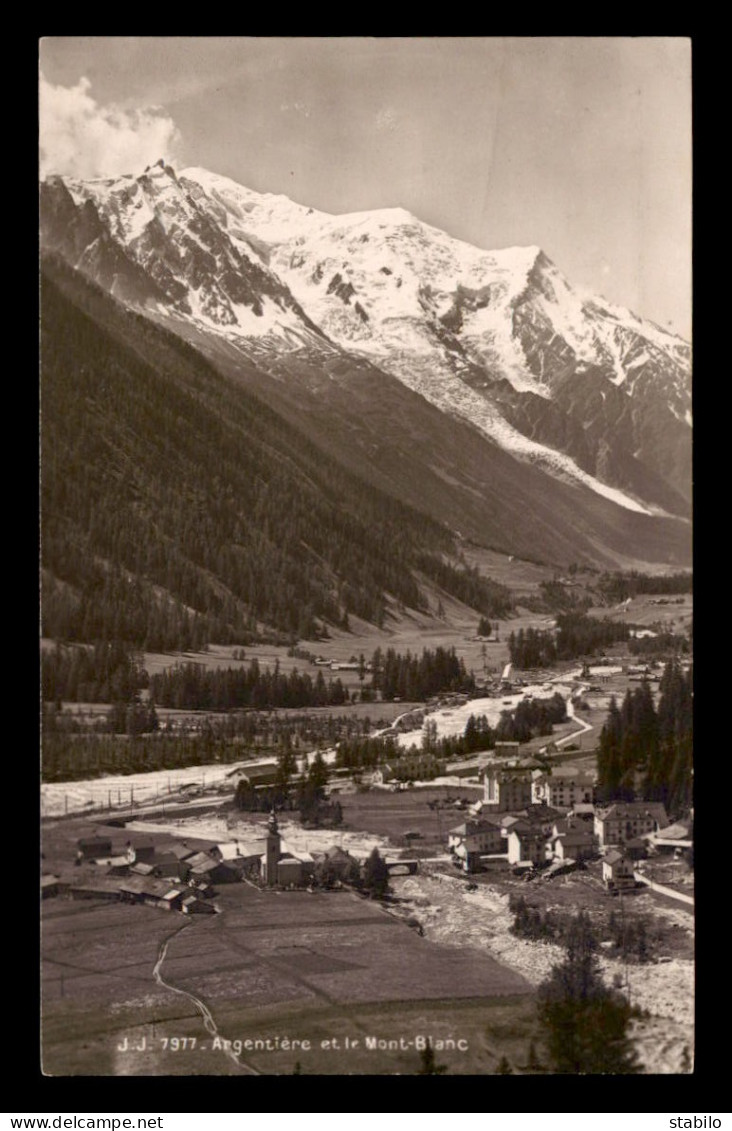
367,621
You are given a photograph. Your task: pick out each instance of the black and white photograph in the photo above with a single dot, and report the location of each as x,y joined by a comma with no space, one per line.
366,610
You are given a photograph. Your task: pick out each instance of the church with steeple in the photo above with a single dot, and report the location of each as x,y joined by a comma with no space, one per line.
278,865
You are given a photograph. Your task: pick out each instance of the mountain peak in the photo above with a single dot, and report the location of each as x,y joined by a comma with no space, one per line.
395,215
160,168
522,259
497,337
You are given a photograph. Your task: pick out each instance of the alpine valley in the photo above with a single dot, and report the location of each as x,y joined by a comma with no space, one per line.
256,414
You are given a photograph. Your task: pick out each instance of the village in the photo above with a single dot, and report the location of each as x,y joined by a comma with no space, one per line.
528,810
517,821
528,820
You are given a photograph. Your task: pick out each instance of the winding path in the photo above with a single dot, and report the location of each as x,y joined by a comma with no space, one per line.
582,723
206,1014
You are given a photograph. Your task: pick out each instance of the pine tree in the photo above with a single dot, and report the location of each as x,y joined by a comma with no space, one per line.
318,774
645,725
628,746
428,1065
376,875
671,780
584,1023
286,767
609,764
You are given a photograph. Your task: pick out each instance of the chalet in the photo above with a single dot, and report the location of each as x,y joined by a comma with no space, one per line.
472,839
171,900
229,850
617,871
166,864
97,890
575,844
381,775
543,817
508,821
465,768
153,893
142,851
345,785
202,856
202,888
565,787
258,775
669,839
117,865
49,886
92,848
636,848
526,844
180,849
147,869
134,889
212,871
505,790
223,872
422,768
192,905
624,821
249,861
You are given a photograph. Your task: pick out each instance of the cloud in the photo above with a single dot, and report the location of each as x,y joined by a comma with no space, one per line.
80,138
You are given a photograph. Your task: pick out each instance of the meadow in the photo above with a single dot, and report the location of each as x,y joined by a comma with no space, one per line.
306,970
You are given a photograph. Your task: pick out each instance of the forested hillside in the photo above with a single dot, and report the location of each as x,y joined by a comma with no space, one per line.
178,509
646,751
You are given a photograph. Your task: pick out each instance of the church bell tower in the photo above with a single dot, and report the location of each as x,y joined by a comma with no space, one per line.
272,852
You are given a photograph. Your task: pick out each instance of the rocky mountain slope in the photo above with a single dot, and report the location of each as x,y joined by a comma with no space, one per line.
177,508
584,395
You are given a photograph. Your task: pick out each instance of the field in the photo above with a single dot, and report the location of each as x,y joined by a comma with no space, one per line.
323,967
373,819
391,815
520,576
309,968
405,630
645,611
457,629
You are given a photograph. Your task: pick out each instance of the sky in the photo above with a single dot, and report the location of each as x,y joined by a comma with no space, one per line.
579,145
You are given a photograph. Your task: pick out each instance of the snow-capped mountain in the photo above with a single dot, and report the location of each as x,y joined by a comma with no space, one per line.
584,390
154,241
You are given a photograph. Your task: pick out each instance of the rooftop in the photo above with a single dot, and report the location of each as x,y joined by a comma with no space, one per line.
627,810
